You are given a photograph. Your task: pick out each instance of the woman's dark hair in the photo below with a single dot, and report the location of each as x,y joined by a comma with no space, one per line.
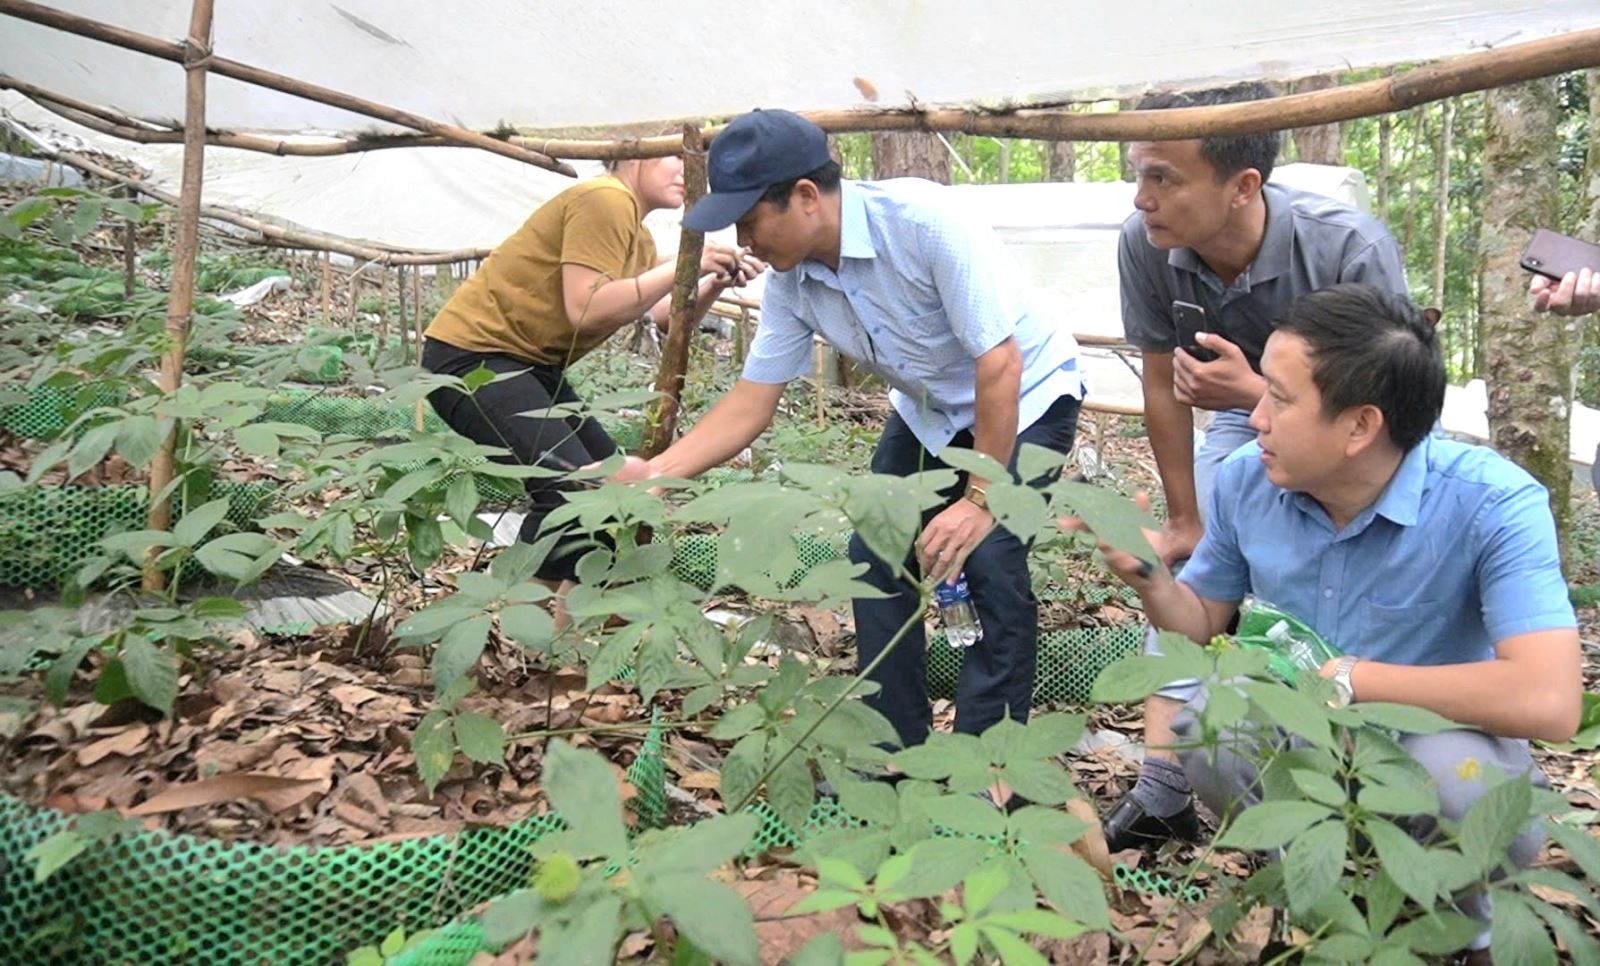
1369,347
1233,153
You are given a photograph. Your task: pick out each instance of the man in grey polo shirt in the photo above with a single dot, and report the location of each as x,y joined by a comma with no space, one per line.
1210,231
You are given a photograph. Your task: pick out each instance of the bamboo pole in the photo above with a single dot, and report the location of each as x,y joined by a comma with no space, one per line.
271,234
817,358
156,47
383,308
416,301
130,252
327,285
663,422
180,303
1577,50
355,294
402,325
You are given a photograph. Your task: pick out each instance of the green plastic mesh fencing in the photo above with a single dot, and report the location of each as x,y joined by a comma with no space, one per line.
49,531
49,409
1153,883
694,557
1069,661
648,775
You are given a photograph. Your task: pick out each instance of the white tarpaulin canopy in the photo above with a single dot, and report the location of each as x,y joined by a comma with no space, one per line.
480,63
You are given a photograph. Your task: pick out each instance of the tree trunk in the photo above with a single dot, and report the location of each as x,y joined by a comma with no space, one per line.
1323,144
1591,164
910,154
1441,200
1419,137
1529,355
663,421
1385,162
1060,161
1005,160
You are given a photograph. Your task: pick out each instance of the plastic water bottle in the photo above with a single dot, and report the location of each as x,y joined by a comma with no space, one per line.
960,618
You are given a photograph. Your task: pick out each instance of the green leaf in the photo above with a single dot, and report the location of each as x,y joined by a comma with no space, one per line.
936,865
657,661
824,950
589,937
1269,825
1445,931
1034,826
393,942
90,449
1411,799
54,852
580,786
257,440
481,737
433,745
1319,787
743,767
1404,859
112,684
983,885
152,673
138,439
1022,510
1313,864
1581,946
429,623
59,678
738,722
1517,937
924,761
1580,844
511,916
713,917
1013,951
1401,717
704,846
1111,516
461,498
1069,884
1344,947
966,815
887,514
964,943
424,540
791,791
1049,735
823,900
1038,922
1131,679
1293,711
478,378
530,625
459,650
364,956
869,801
1040,781
1494,820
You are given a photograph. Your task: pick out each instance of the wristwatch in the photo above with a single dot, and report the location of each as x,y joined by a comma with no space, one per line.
1343,690
976,495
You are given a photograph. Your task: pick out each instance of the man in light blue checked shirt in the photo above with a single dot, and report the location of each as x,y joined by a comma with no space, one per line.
893,276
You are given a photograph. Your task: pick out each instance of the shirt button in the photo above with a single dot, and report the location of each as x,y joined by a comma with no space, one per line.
1327,592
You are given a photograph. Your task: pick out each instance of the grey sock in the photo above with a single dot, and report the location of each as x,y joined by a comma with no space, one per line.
1162,788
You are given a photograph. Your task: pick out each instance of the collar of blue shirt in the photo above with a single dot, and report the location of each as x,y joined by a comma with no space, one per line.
1400,502
855,235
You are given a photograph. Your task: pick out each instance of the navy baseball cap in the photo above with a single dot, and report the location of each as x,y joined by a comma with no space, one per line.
753,153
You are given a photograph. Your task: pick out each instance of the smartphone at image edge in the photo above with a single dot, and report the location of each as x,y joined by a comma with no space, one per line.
1190,319
1555,255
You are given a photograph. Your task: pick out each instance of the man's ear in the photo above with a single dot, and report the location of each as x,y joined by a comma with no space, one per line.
806,193
1246,185
1366,428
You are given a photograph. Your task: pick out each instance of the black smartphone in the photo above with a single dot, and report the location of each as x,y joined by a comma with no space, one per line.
1190,319
1554,255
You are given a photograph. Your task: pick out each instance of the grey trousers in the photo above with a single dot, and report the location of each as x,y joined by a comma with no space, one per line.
1225,779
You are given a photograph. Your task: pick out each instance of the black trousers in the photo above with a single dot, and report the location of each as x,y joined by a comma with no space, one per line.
491,416
997,672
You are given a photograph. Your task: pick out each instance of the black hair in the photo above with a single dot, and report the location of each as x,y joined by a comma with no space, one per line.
1228,154
826,178
1372,347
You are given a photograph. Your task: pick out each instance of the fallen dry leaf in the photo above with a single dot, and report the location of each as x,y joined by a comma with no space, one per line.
223,788
125,743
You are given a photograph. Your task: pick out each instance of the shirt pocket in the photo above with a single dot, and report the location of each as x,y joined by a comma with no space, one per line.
1403,633
926,343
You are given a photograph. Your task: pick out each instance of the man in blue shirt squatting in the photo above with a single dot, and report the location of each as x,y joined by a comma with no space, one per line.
1431,563
1212,231
893,276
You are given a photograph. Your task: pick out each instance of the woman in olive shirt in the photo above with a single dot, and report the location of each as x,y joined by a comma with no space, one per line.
580,268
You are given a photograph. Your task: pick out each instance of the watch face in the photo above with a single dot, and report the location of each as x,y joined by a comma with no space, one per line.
1342,693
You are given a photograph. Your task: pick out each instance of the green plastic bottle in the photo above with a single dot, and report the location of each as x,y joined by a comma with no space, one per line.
1292,647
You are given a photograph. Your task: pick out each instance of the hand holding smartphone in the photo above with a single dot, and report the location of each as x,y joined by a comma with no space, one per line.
1555,255
1190,320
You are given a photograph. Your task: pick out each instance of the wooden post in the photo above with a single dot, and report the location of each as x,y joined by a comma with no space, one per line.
740,334
327,285
817,358
355,293
197,50
130,251
663,422
400,317
383,308
416,302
